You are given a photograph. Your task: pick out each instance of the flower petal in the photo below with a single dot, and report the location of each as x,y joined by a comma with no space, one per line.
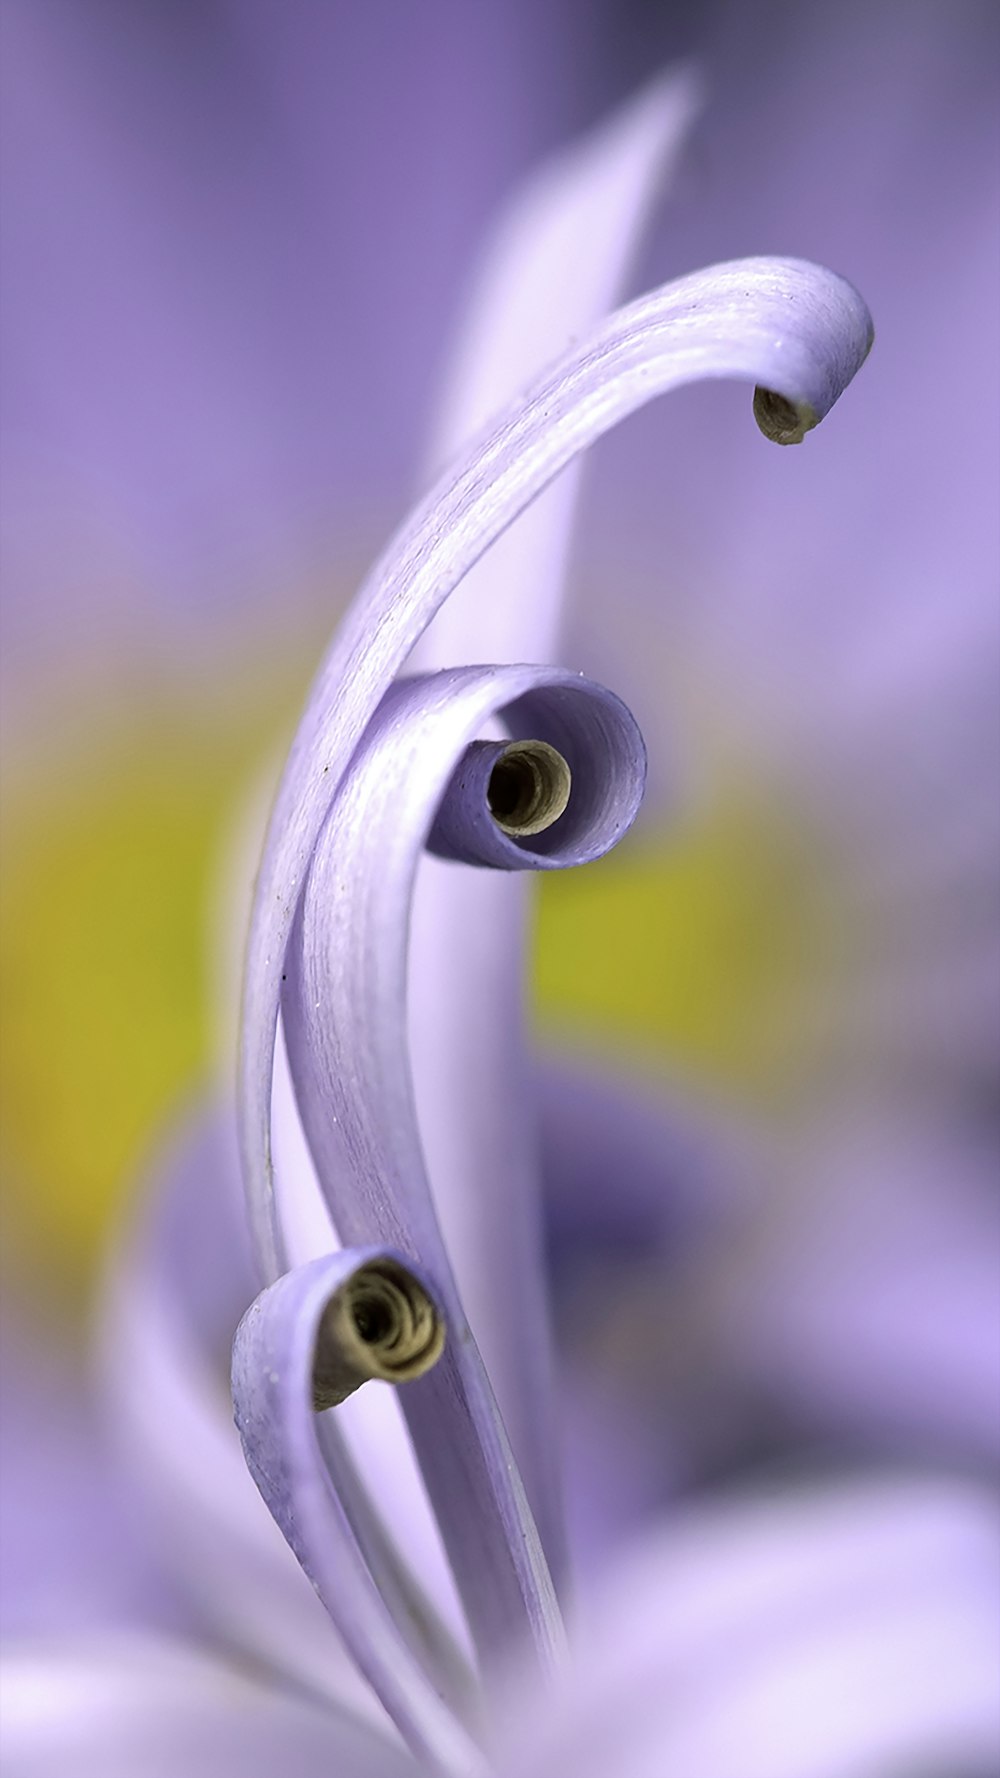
344,1018
276,1355
791,326
840,1633
141,1707
829,1308
782,324
556,264
178,1288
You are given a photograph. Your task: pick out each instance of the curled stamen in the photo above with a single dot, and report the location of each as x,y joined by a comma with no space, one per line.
539,804
528,789
779,323
381,1323
784,422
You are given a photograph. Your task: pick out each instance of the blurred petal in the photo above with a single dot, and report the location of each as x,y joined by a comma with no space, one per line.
143,1708
869,1304
556,264
73,1555
180,1282
844,1634
838,1298
852,702
626,1161
633,1176
275,1356
792,328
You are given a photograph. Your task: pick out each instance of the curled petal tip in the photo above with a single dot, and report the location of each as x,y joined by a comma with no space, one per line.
529,788
784,422
833,336
562,795
381,1324
313,1334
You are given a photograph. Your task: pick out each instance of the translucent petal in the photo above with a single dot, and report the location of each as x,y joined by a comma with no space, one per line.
139,1707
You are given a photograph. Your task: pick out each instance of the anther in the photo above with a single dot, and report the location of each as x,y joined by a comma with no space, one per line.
781,420
382,1324
529,788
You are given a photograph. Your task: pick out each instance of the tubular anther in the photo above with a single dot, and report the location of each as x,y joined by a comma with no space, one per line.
381,1324
529,788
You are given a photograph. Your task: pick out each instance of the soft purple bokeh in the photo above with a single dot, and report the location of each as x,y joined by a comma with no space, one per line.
232,253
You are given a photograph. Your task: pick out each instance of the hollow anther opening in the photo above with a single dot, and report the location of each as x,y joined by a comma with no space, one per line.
781,420
529,788
381,1324
373,1320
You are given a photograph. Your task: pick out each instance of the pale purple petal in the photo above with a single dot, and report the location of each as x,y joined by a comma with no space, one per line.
781,324
468,933
594,734
838,1634
179,1285
140,1707
274,1357
555,265
344,1016
868,1302
73,1554
367,1437
181,1280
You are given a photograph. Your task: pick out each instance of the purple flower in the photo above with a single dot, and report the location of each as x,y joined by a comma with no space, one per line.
389,1156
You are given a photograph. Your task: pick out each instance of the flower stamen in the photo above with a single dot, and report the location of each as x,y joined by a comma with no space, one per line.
529,788
380,1324
782,421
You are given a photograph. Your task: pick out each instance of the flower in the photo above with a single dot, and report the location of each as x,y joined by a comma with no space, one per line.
344,933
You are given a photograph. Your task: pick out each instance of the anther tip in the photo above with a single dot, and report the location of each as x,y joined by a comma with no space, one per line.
784,422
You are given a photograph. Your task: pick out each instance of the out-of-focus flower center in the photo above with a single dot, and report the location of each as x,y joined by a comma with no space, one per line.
720,948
